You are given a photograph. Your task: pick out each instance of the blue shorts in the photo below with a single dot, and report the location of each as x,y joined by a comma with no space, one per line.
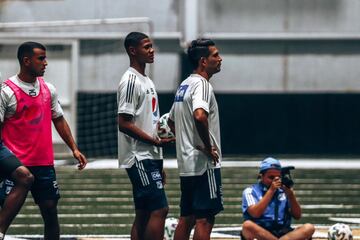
8,162
147,182
201,196
45,186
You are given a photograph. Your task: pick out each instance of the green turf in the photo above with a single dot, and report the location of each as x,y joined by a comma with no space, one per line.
99,201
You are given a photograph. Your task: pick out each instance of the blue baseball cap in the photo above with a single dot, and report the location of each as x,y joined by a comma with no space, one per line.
270,163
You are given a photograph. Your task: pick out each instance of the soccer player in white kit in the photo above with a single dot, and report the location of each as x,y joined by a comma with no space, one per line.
139,148
195,117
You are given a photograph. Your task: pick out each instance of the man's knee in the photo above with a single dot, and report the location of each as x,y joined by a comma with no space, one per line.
248,226
22,176
48,208
187,222
248,230
162,212
206,221
309,229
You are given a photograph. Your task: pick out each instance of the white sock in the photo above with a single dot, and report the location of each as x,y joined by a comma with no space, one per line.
2,236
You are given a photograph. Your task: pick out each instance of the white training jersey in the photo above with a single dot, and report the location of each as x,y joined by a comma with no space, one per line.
193,93
8,102
136,96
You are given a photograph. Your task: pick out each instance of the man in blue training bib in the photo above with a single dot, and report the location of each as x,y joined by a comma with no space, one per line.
268,207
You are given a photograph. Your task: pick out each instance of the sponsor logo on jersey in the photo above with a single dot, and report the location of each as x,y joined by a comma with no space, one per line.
155,108
159,185
32,92
156,175
180,93
9,182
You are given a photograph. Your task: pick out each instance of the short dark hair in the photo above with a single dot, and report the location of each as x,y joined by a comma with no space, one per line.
199,48
133,39
26,49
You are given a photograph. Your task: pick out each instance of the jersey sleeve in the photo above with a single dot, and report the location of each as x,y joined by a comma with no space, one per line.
201,95
128,94
3,103
8,102
56,109
248,199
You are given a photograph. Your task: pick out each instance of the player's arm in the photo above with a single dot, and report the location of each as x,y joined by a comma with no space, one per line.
64,131
127,126
201,104
63,128
171,125
295,208
202,126
170,121
259,208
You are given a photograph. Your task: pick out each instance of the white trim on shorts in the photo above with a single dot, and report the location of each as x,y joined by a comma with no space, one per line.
142,173
212,183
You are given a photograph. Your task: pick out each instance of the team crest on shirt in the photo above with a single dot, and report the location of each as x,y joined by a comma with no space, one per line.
159,185
155,108
282,197
180,93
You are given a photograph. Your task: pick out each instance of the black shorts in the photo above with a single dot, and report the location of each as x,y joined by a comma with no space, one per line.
276,232
279,231
202,196
8,162
44,188
148,189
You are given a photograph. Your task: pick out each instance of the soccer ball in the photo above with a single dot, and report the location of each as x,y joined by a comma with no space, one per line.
170,226
340,231
163,129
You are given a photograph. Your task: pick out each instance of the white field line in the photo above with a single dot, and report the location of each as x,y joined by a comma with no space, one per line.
69,225
82,215
121,200
329,206
351,216
345,220
228,162
112,237
173,206
124,237
236,228
115,206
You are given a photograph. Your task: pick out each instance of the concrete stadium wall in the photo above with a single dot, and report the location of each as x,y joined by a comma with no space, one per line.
275,52
279,16
279,65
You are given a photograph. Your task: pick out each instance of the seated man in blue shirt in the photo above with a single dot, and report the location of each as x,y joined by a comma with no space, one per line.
268,207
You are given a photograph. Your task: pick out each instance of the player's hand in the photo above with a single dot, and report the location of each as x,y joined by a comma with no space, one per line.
276,184
212,153
288,191
81,159
165,141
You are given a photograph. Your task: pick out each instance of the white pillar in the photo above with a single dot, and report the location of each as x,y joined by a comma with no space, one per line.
189,20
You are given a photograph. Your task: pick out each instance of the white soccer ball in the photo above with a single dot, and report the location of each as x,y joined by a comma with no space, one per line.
340,231
163,129
170,226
